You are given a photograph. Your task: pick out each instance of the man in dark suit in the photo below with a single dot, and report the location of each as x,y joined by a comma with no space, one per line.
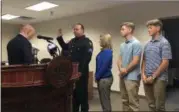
19,48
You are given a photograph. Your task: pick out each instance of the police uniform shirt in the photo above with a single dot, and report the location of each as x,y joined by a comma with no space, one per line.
80,49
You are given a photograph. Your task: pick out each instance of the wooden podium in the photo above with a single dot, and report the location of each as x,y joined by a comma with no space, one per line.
39,88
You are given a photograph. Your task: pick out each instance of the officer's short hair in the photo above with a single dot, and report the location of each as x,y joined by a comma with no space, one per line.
82,26
155,22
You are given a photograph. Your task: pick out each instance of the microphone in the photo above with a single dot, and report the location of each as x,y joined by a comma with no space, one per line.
44,37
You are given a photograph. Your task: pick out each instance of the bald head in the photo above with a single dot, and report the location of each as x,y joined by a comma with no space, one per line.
28,31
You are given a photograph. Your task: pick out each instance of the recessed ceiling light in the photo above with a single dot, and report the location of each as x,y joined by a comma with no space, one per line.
9,17
41,6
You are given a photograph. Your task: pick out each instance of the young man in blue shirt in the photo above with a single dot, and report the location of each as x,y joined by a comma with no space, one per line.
157,53
129,68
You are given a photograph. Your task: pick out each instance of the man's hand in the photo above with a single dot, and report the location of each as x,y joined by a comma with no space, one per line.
144,78
123,71
150,80
59,33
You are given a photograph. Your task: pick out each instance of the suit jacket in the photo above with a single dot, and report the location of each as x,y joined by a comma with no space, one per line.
19,51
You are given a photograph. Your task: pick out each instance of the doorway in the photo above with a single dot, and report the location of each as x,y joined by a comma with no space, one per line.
171,32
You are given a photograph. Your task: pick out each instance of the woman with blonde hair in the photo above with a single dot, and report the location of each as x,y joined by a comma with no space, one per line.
103,73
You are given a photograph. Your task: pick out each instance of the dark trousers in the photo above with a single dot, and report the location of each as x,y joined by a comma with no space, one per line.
80,95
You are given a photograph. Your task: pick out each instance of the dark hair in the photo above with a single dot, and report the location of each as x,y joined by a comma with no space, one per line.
155,22
82,26
129,24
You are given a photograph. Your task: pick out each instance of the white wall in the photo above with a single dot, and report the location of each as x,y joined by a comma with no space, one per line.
104,21
9,31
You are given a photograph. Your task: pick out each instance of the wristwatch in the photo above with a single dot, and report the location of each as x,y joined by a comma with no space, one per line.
153,77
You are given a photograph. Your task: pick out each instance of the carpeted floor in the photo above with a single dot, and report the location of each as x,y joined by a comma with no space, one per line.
172,103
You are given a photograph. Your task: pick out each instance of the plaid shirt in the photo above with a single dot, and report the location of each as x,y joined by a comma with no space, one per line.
155,51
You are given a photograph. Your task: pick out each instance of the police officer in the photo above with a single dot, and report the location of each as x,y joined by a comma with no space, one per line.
80,49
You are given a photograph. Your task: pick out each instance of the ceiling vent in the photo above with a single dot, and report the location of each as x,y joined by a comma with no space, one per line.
26,18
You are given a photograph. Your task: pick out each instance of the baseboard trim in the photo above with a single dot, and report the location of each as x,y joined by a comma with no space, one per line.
118,92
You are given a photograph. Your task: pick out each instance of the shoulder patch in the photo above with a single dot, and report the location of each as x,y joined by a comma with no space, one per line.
90,43
90,50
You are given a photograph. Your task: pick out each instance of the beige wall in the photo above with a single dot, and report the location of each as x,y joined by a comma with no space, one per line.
104,21
0,29
8,32
108,21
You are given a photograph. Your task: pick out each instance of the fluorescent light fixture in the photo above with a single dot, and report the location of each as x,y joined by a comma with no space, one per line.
41,6
9,17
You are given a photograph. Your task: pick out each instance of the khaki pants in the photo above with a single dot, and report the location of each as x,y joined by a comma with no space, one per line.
129,93
155,94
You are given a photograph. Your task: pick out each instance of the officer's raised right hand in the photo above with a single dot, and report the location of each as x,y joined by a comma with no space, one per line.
59,33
